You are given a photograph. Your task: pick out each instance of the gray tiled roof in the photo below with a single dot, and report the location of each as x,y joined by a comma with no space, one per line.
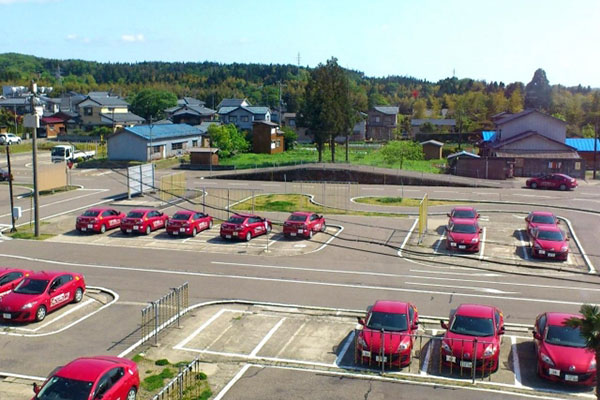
190,101
233,103
109,101
226,110
257,109
203,127
387,110
121,117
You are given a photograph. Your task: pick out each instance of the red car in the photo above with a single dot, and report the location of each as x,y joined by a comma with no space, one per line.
41,293
549,242
470,322
463,213
561,351
463,234
10,278
99,220
303,224
540,218
143,220
387,334
188,223
552,181
88,378
245,227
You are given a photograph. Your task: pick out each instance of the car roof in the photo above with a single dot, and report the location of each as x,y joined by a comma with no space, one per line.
542,213
142,210
464,208
464,221
390,306
245,215
475,310
99,209
305,213
49,274
87,368
563,175
4,270
557,318
548,228
185,212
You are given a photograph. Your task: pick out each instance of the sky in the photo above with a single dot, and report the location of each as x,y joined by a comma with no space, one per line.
504,40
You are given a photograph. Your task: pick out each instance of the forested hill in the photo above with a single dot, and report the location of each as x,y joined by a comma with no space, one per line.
476,101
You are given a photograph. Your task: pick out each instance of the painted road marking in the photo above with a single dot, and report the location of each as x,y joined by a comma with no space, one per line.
482,244
439,243
62,201
410,231
524,245
232,382
475,288
267,337
516,365
490,274
53,320
291,339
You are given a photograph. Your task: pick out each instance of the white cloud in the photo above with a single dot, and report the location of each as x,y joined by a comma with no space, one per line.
70,36
132,38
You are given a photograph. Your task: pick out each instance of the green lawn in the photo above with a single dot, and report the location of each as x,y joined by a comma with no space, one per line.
399,201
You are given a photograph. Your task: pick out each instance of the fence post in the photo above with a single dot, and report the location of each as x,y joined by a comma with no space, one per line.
204,200
227,203
253,194
178,306
382,351
156,312
474,365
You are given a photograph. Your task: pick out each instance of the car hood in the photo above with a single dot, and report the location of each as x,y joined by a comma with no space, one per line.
462,237
464,344
551,245
565,357
391,340
15,301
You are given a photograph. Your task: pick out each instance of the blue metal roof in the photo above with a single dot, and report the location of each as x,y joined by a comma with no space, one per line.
586,144
488,136
164,131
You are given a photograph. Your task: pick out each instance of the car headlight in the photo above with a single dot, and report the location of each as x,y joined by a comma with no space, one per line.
564,248
29,305
547,360
537,246
489,351
403,346
474,240
361,341
592,365
446,347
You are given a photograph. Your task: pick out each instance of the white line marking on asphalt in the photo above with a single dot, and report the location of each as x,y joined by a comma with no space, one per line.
291,339
267,337
238,184
482,244
51,321
475,288
19,376
425,366
232,382
439,243
533,195
490,274
340,356
410,231
229,326
340,230
61,201
524,245
212,319
516,365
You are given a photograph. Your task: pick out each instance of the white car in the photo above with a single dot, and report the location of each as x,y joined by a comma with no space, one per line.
9,138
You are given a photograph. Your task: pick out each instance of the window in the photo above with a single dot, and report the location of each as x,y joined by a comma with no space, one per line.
233,119
542,324
156,149
377,119
10,277
292,122
244,118
177,146
194,143
88,111
278,142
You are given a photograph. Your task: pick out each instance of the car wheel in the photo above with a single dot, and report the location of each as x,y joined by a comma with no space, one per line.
148,230
563,187
310,233
102,228
123,231
248,236
323,227
210,225
131,395
40,314
194,232
269,227
78,295
533,185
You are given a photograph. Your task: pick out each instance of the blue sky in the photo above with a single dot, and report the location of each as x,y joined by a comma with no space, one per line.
427,39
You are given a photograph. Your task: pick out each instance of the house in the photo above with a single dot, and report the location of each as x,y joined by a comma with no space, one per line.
381,123
267,138
432,149
233,103
51,127
99,110
151,142
431,124
190,101
204,126
586,148
191,114
243,117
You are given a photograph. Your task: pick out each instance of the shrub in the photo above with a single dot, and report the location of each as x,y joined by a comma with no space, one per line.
162,361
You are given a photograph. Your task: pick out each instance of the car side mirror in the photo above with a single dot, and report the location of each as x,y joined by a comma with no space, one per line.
501,331
480,230
537,336
448,214
443,324
478,215
415,326
36,388
361,321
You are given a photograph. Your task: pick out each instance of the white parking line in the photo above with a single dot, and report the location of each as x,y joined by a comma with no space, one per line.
516,365
340,356
291,339
50,322
410,231
439,243
232,382
482,244
474,288
425,366
267,337
524,245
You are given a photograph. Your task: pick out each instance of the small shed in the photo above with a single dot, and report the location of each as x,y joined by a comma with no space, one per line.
432,149
204,156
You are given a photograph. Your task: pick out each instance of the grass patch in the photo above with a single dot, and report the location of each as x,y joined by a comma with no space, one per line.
155,382
58,190
28,235
400,201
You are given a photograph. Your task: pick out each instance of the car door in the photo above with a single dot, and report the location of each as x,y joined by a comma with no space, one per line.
111,385
58,292
313,222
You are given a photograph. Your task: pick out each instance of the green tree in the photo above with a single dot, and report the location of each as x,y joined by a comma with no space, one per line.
589,327
419,108
587,131
227,139
398,151
538,91
515,101
289,138
151,103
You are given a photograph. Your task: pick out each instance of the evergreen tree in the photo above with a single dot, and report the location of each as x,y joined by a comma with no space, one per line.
538,91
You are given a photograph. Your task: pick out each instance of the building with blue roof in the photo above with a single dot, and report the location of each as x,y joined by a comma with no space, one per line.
154,142
585,149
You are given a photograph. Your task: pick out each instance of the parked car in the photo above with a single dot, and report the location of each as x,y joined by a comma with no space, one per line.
561,351
387,333
9,138
470,322
549,242
41,293
463,234
552,181
4,174
10,278
87,378
303,224
99,220
189,223
540,218
245,227
143,220
463,213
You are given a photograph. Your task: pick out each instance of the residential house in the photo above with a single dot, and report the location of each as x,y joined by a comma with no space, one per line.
244,116
381,123
51,127
151,142
191,114
233,103
190,101
99,110
267,138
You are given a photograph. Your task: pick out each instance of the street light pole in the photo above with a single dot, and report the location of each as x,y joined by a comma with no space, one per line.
151,148
10,190
36,193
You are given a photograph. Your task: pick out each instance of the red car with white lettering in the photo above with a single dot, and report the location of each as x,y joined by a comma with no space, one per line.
188,223
303,224
540,218
549,242
562,355
473,335
245,227
143,220
552,181
99,220
387,333
10,278
463,235
87,378
41,293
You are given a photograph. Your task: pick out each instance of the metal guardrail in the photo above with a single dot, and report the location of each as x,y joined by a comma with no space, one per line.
184,384
164,312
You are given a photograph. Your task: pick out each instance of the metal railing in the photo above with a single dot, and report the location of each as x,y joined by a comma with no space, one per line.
164,312
184,384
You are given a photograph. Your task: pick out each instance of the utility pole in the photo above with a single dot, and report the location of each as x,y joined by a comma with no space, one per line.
10,190
36,193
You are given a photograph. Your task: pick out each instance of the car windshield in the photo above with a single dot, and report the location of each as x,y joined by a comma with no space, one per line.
565,336
553,236
91,213
59,388
297,218
464,214
135,214
58,151
543,219
387,321
31,286
463,228
472,326
236,220
181,217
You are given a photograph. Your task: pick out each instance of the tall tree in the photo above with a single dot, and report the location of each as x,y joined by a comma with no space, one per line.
589,327
515,101
538,91
152,103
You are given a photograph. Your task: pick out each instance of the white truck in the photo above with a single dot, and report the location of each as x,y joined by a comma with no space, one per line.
65,152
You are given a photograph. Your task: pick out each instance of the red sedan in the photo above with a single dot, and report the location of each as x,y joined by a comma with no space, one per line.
99,220
143,220
10,278
562,355
540,218
188,223
87,378
303,224
463,234
549,242
387,334
472,324
463,213
245,227
41,293
552,181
